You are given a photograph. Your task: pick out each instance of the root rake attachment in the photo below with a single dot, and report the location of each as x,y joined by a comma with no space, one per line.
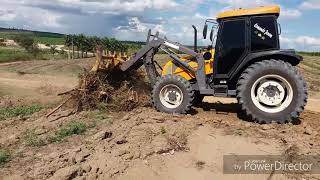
107,61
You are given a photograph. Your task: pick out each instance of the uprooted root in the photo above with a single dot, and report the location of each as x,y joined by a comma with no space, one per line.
113,91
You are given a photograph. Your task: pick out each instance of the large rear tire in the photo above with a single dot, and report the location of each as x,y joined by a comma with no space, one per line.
172,94
272,90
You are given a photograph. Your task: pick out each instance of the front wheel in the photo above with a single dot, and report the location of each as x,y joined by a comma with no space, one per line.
172,94
272,90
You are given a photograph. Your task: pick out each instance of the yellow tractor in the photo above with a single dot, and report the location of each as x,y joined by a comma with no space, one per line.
246,62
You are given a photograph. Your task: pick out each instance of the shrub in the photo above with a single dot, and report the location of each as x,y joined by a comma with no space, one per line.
4,156
24,40
27,42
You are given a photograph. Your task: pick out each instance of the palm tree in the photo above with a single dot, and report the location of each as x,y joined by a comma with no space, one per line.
81,43
68,43
106,43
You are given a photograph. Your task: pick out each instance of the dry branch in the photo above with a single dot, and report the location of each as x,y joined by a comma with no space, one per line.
58,107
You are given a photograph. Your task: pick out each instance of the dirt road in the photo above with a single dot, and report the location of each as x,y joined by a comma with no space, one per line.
142,144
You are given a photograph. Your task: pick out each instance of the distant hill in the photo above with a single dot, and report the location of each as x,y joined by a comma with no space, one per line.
45,37
36,33
40,37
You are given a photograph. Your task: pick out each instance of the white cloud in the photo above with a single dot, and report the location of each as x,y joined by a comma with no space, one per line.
164,4
134,25
310,5
307,40
6,15
98,6
179,28
305,43
118,7
159,28
290,13
244,3
130,19
137,29
30,17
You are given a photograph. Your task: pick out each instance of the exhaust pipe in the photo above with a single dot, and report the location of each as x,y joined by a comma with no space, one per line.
195,38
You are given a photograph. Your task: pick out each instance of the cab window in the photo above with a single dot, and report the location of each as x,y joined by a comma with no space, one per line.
263,33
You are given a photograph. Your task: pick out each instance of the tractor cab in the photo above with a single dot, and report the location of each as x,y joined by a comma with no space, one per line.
242,32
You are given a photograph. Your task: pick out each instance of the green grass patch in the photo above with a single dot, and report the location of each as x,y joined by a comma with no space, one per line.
18,54
5,156
71,129
50,40
11,35
9,112
97,117
9,55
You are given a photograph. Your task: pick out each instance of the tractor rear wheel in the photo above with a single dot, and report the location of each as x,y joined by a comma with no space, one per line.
272,90
172,94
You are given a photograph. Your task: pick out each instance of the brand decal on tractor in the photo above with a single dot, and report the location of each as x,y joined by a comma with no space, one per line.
262,30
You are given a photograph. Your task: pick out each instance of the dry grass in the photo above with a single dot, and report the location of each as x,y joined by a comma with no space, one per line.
178,142
310,68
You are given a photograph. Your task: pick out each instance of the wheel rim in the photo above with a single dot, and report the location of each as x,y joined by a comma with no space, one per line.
271,93
171,96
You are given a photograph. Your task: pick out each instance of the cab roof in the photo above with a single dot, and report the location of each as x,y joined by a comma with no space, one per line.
250,11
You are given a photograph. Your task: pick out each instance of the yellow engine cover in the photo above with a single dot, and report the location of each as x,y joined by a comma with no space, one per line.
170,68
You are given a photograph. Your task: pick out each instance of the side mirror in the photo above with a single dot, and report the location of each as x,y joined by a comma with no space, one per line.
211,34
205,30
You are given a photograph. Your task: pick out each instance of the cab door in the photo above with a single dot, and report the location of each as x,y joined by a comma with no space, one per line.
230,46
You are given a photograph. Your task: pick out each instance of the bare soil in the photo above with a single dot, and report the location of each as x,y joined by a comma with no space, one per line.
140,144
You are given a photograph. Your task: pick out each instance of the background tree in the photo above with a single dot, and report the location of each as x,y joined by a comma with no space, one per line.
81,43
68,44
27,42
53,50
94,42
77,42
24,41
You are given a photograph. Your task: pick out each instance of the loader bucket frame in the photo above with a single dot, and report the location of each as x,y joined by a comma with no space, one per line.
108,61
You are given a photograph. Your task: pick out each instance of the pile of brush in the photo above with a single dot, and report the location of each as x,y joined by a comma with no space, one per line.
111,91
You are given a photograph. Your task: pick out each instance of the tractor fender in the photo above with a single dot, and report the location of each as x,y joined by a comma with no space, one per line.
289,56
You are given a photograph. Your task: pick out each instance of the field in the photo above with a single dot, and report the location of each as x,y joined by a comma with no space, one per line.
42,38
9,54
140,144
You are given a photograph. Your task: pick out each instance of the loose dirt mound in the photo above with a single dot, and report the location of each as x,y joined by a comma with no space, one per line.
112,91
144,142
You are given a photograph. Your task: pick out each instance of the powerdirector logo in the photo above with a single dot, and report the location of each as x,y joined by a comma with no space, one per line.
266,164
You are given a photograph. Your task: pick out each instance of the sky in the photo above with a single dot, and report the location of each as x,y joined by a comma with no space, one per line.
131,19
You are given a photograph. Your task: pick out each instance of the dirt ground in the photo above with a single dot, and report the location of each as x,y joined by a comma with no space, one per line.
143,143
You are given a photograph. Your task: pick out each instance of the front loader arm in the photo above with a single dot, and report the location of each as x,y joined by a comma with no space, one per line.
145,57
